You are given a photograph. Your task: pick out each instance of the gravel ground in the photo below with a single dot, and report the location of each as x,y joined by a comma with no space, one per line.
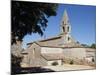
68,67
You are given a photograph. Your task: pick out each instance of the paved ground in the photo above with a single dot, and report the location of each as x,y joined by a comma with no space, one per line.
68,67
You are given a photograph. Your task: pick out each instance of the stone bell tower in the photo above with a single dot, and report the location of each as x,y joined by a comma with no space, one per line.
65,28
65,25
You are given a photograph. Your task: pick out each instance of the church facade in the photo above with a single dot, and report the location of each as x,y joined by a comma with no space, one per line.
54,50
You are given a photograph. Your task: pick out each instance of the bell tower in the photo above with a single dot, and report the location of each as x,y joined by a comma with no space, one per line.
65,29
65,25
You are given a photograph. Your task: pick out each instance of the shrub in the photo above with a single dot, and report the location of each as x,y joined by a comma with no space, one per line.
55,63
71,62
93,60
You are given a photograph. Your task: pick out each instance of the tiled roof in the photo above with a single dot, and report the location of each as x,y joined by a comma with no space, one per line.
68,45
58,44
24,52
51,38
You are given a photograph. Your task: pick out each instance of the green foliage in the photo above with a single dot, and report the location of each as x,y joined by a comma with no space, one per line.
55,63
93,60
85,45
15,64
30,17
71,62
93,46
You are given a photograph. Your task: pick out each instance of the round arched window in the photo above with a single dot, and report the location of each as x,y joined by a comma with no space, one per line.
68,29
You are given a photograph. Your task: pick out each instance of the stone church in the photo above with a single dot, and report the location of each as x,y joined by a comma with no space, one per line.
55,49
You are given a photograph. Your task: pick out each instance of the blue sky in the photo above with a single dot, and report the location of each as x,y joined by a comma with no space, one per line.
82,19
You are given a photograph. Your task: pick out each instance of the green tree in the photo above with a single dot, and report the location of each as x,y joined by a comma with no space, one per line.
30,17
85,45
27,18
93,45
15,64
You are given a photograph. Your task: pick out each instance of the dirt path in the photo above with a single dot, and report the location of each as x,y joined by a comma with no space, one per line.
68,67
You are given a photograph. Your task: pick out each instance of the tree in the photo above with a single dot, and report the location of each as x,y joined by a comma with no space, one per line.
93,45
27,18
15,63
30,17
16,57
85,45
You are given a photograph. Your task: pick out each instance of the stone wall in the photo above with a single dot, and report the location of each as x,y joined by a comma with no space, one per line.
79,53
81,56
34,57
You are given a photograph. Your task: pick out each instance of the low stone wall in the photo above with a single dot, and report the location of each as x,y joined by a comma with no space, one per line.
78,61
72,61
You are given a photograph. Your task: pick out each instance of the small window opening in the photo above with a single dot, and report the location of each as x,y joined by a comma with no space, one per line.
68,38
63,29
68,28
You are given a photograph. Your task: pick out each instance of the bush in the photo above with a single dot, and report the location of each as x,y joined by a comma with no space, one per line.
71,62
15,64
55,63
93,60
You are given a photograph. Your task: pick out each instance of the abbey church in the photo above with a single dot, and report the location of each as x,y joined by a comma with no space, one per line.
56,49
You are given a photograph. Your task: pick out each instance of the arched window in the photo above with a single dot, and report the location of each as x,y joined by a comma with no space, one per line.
68,28
68,38
63,29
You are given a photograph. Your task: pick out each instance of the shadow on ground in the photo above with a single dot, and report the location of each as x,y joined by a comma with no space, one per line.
30,70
